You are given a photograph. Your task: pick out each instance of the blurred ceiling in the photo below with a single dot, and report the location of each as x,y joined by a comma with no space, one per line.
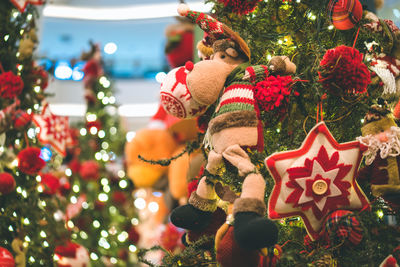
140,42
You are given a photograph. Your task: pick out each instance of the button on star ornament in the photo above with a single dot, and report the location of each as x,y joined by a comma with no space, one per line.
316,179
54,130
21,4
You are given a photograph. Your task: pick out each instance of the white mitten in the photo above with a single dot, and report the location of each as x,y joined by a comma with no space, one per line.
239,158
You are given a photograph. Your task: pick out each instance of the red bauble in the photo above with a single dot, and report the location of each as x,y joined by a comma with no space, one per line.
69,250
344,72
123,254
96,124
342,226
119,197
11,85
29,161
240,7
344,13
273,93
98,205
171,237
74,165
72,254
89,170
133,235
21,119
7,183
50,183
6,258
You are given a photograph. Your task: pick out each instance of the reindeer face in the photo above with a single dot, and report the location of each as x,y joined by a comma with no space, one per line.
188,91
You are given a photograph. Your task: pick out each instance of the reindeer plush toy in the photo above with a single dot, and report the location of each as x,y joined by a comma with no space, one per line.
225,81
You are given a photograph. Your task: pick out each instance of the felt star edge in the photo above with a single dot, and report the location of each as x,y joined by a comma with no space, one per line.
42,134
304,148
22,8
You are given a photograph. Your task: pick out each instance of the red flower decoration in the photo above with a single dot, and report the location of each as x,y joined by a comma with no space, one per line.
74,137
42,77
240,7
273,93
123,254
65,186
21,119
7,183
51,183
304,179
133,235
119,197
89,170
11,85
29,161
344,72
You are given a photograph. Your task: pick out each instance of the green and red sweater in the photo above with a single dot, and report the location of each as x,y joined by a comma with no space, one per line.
237,107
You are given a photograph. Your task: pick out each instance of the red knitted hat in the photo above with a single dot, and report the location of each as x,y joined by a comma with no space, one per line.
216,30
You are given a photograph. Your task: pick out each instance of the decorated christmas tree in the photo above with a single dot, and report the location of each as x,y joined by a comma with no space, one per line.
101,213
290,98
29,192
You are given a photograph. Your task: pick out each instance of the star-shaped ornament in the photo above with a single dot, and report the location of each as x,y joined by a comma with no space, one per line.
316,179
21,4
54,130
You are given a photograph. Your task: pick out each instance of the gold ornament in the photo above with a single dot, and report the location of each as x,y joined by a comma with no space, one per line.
25,49
20,251
325,261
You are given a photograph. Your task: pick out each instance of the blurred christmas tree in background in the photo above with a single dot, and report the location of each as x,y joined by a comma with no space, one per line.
28,228
63,191
103,216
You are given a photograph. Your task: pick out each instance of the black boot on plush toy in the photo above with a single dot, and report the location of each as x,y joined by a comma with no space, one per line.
190,218
251,229
198,213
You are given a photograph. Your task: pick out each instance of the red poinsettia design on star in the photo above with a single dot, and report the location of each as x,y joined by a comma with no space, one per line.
316,179
21,4
54,130
319,185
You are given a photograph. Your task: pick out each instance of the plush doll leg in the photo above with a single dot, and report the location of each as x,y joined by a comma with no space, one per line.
197,214
252,230
214,161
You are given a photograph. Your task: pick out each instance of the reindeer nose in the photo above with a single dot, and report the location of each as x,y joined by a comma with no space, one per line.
189,65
